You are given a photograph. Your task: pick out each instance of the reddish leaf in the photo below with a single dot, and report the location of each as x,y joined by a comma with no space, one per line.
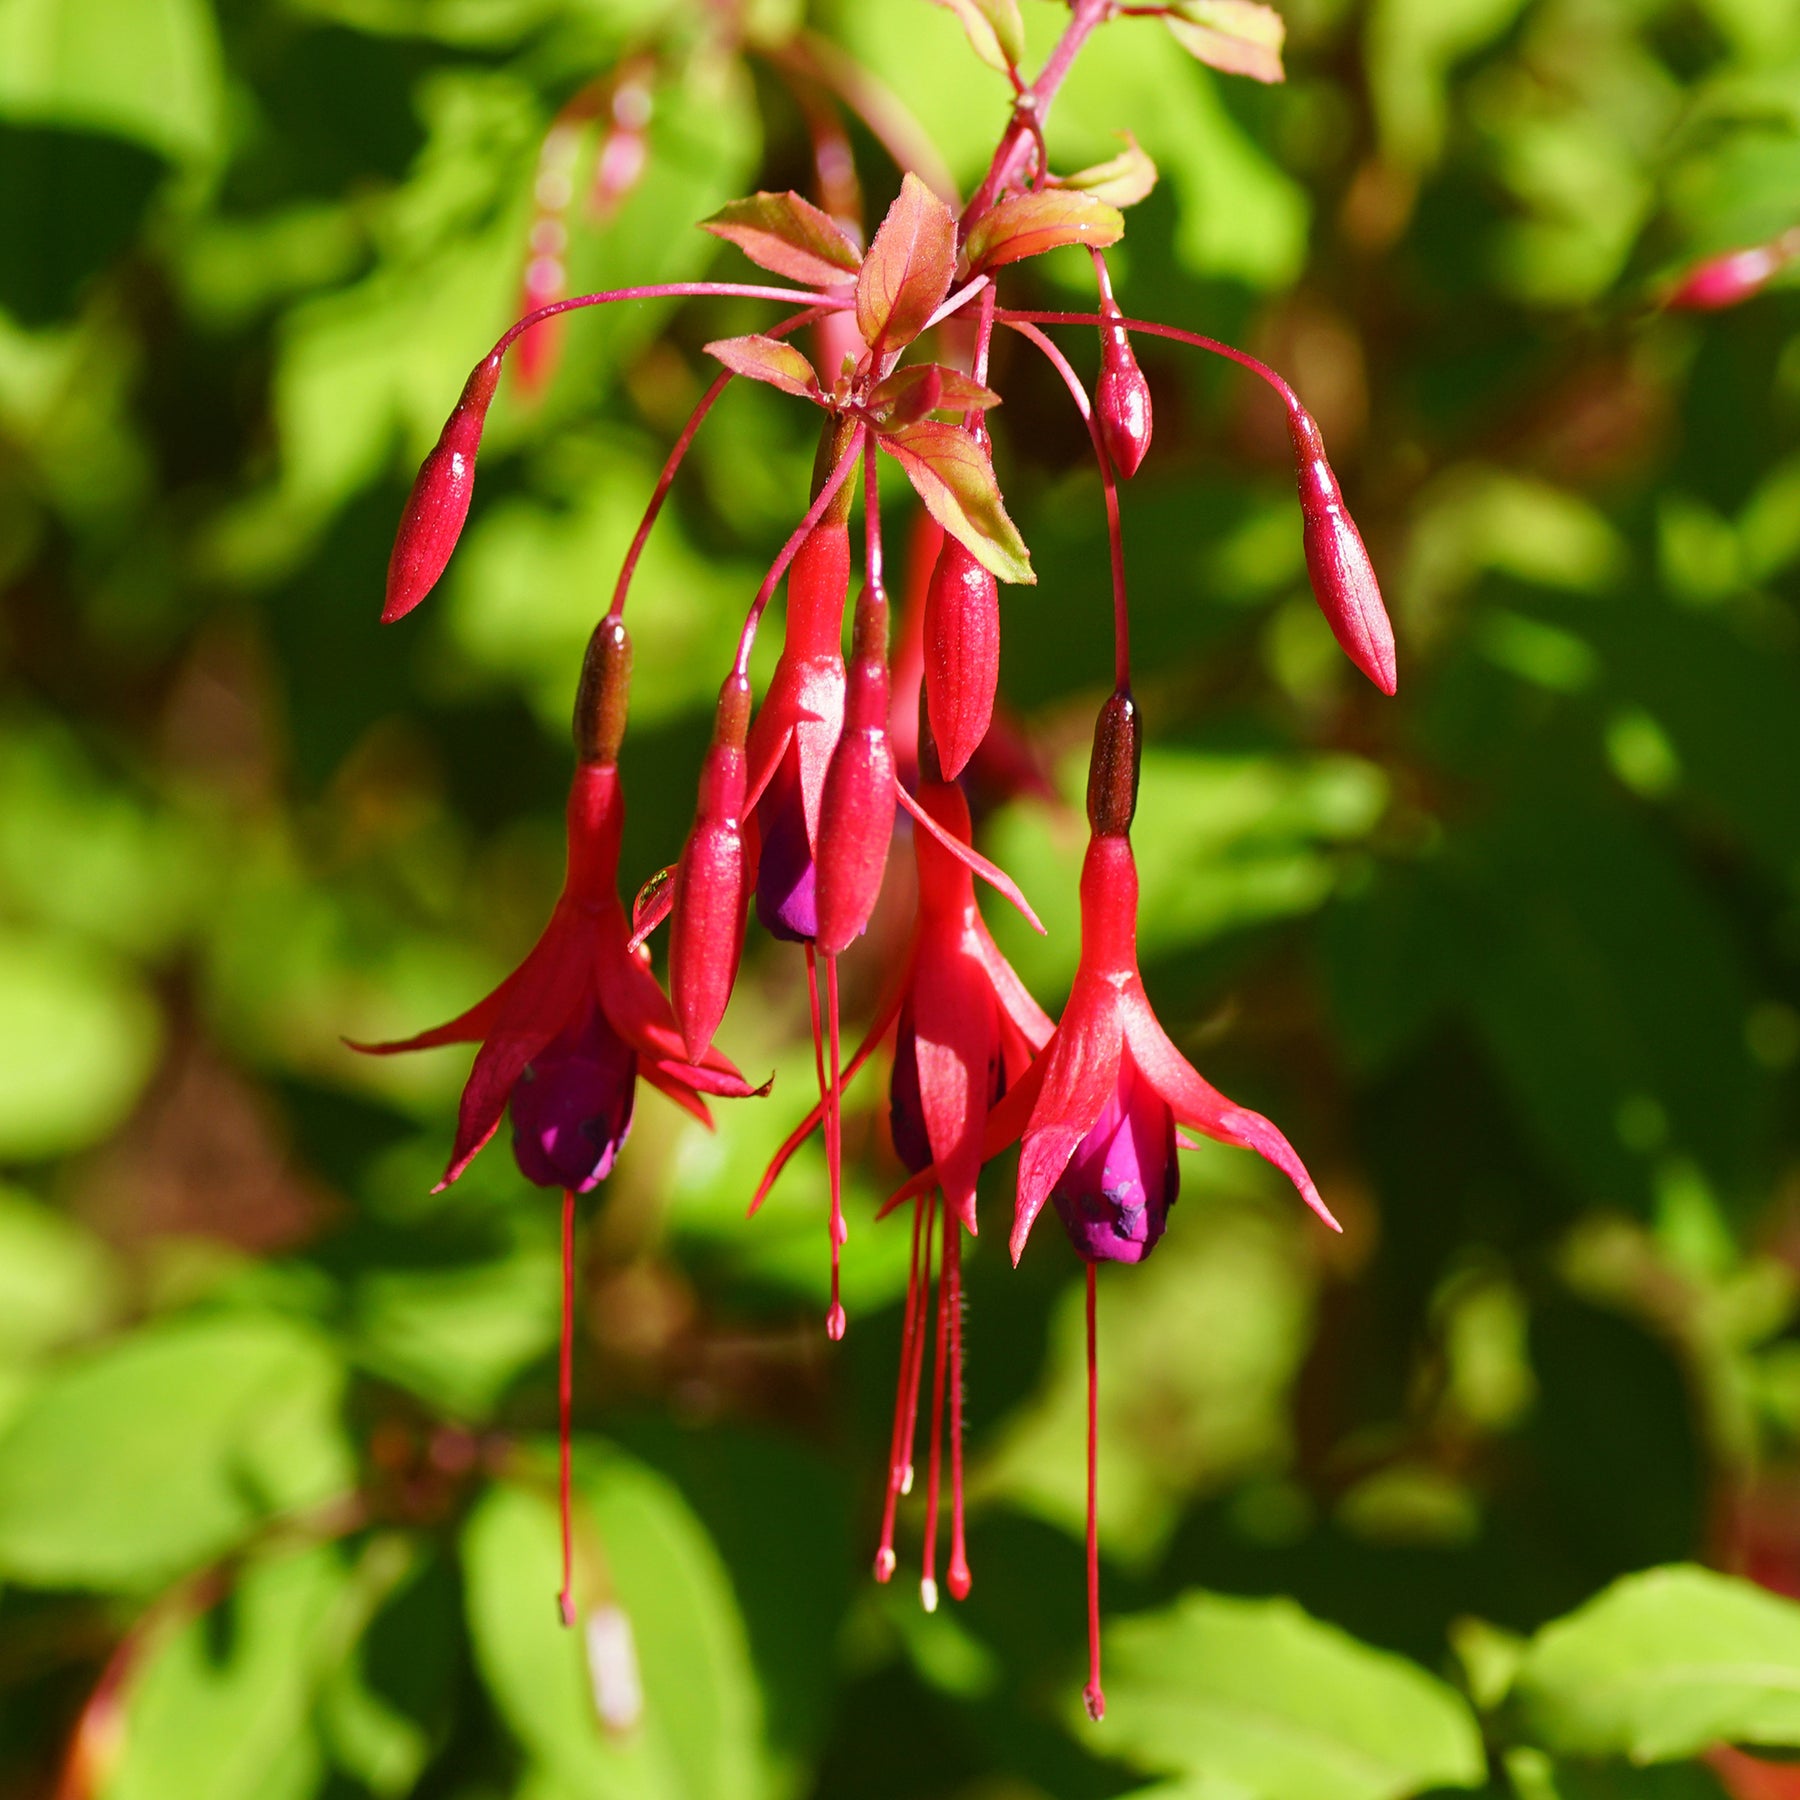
908,269
920,388
1121,180
1242,37
1030,224
768,359
995,30
951,473
789,235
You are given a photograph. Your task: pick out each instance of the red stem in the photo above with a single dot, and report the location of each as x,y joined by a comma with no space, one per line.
665,290
1093,1696
1109,486
565,1601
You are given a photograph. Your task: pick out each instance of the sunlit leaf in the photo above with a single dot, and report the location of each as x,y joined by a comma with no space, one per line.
1121,180
908,269
768,359
1030,224
995,29
1240,37
788,235
951,473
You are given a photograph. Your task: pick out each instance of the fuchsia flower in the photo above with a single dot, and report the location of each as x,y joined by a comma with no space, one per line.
1734,277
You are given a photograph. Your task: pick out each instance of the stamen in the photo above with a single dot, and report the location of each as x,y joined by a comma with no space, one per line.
928,1588
915,1376
565,1601
899,1466
958,1576
834,1150
1092,1695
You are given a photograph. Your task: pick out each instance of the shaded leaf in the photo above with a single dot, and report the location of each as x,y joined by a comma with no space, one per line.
920,388
789,235
1121,180
1662,1665
1238,36
1257,1693
951,473
768,359
1029,224
908,269
994,27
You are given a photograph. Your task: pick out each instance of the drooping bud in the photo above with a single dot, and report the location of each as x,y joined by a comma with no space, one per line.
1113,768
604,694
712,881
1728,280
962,654
856,810
439,502
1343,578
1122,395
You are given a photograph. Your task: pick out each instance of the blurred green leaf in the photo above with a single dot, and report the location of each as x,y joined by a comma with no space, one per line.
136,1463
1256,1692
56,1280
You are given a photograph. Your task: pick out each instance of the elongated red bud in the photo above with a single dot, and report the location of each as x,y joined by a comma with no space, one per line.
439,501
1729,280
856,810
1113,767
604,694
962,655
712,881
1122,401
1343,578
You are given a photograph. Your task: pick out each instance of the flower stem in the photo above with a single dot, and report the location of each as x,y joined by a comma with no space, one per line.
665,290
1094,1697
565,1601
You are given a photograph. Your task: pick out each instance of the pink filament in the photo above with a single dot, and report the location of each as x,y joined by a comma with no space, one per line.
939,1372
884,1555
565,1601
834,1150
1092,1695
958,1574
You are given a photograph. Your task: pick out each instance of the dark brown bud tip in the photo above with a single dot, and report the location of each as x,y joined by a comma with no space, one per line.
433,517
731,723
1343,578
605,690
1113,769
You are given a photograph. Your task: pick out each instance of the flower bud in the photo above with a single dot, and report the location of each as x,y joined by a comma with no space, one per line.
1113,768
1122,400
1343,578
712,881
439,502
1723,281
604,693
856,810
962,654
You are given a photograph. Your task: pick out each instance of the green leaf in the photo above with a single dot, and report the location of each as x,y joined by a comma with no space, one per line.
139,1462
908,269
1663,1665
1239,37
995,29
920,388
951,473
1122,180
768,359
143,69
789,235
78,1039
1031,224
698,1733
1257,1693
56,1280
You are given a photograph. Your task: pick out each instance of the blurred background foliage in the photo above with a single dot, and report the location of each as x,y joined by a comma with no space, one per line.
1515,959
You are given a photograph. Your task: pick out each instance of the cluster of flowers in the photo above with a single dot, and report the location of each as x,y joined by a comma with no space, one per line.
799,798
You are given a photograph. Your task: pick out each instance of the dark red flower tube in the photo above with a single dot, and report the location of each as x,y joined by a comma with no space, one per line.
856,809
962,655
1343,578
712,881
439,501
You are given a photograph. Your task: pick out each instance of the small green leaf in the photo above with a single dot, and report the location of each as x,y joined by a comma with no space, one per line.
952,475
1240,37
1121,180
1254,1692
1661,1665
55,1279
788,235
1030,224
995,30
768,359
908,269
912,392
135,1464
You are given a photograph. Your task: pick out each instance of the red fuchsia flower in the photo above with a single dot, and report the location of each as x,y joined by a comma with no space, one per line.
565,1037
965,1029
1735,277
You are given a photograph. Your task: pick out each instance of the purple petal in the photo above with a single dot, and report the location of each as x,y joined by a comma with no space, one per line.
1114,1196
786,875
571,1109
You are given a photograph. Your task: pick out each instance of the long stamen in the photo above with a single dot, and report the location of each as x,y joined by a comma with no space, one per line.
1092,1695
928,1587
834,1150
916,1374
828,1085
958,1573
565,1601
1109,486
896,1473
